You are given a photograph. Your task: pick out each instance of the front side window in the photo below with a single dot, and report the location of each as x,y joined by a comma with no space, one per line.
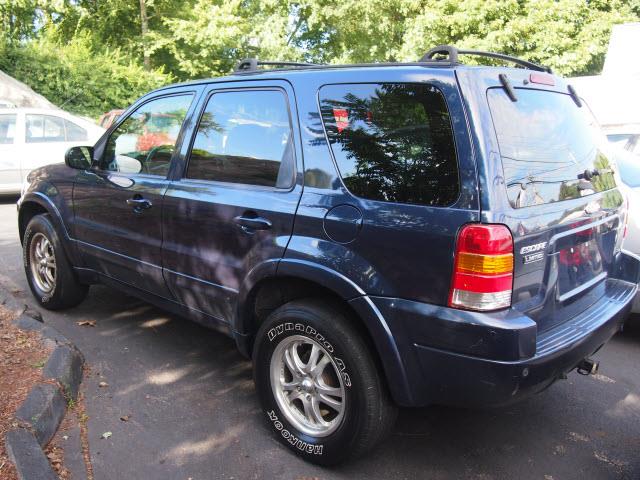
7,128
392,142
44,128
244,137
145,141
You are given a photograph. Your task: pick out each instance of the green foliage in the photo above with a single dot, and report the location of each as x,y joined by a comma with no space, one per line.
93,44
77,78
571,36
17,18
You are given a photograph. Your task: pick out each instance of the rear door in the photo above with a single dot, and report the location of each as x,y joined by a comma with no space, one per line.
231,207
558,196
118,202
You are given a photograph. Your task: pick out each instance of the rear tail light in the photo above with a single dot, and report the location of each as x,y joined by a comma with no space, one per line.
483,268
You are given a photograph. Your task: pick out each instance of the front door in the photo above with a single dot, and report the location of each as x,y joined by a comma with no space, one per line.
118,202
10,178
232,207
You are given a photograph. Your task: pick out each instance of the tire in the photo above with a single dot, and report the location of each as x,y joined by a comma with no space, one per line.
57,287
350,377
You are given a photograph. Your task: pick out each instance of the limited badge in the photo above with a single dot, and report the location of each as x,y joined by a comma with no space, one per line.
341,116
532,257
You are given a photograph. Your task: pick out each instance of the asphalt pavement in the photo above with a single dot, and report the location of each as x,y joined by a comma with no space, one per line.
194,413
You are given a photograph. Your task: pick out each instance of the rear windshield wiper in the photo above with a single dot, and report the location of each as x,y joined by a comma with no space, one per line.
596,172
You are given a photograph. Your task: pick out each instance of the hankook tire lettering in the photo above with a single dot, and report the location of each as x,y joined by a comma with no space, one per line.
292,439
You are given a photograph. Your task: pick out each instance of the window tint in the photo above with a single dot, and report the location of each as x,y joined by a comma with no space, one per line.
392,142
7,128
145,141
44,128
547,143
244,137
74,132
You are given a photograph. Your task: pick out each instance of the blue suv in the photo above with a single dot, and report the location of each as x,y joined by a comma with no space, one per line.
370,235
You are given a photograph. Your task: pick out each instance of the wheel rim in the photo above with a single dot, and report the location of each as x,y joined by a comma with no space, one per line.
307,386
43,263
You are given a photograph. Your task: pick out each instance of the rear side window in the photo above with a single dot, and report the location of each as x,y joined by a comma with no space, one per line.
244,137
550,148
44,128
7,128
392,142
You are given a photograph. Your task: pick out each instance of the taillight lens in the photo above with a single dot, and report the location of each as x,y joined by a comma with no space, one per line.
483,268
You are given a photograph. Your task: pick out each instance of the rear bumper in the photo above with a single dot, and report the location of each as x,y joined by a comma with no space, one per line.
460,358
636,302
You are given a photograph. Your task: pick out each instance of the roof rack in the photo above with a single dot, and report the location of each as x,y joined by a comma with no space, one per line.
452,57
252,64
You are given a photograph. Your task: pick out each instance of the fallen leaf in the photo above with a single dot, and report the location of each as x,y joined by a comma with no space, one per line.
106,434
87,323
103,384
125,418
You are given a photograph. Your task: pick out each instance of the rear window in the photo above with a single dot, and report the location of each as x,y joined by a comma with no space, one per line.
550,148
392,142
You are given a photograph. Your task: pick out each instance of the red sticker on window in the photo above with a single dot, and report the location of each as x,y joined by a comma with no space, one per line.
342,118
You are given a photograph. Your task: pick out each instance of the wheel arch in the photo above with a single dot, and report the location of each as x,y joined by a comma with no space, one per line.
36,204
301,279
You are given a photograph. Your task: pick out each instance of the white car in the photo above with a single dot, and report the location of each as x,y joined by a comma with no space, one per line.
31,138
629,142
629,170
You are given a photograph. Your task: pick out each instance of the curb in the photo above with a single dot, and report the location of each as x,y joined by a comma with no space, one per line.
44,408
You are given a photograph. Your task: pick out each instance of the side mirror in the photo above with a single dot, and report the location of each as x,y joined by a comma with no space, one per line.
79,158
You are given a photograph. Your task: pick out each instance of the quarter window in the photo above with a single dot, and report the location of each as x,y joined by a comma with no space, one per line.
244,137
7,128
74,133
145,141
392,142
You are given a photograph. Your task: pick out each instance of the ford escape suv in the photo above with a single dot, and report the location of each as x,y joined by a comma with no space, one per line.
370,235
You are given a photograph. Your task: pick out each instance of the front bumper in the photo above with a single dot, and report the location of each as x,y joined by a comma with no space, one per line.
472,359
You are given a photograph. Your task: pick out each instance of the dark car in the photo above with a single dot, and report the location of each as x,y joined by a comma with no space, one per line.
370,235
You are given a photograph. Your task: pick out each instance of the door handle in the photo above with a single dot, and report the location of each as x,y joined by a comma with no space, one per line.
139,204
250,224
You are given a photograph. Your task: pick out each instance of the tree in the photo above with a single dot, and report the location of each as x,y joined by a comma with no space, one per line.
185,39
76,77
571,36
216,35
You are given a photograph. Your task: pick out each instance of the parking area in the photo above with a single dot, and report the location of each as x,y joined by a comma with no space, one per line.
194,414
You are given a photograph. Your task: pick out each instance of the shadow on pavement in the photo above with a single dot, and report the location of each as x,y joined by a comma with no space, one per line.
193,405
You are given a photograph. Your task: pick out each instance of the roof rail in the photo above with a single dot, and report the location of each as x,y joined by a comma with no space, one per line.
252,64
452,54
